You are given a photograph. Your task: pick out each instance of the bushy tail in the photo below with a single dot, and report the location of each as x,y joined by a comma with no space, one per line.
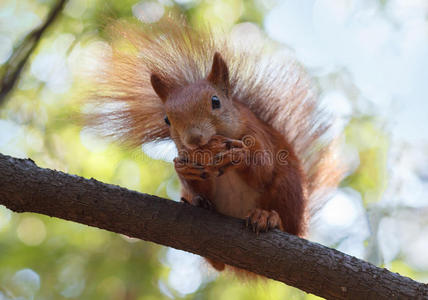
276,89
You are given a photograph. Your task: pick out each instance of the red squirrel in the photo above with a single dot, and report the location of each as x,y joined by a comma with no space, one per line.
259,120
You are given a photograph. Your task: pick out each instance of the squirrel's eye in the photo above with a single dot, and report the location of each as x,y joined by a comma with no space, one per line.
215,102
167,121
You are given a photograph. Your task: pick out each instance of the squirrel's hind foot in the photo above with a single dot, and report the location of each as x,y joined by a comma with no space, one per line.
263,220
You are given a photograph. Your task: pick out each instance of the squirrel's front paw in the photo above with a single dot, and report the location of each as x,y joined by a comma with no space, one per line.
191,171
263,220
219,143
200,201
227,153
203,202
233,158
212,159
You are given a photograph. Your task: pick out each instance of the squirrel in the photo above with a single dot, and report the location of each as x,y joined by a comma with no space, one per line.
270,162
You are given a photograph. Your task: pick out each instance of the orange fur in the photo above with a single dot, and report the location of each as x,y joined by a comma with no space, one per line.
270,101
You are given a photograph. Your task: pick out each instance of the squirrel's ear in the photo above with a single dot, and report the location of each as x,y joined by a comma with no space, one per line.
161,87
219,74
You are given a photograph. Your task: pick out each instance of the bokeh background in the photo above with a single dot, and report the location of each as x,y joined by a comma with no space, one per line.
369,62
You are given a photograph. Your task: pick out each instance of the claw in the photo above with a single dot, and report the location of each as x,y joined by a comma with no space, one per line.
218,158
184,200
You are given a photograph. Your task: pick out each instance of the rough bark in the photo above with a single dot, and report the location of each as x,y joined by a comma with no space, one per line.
311,267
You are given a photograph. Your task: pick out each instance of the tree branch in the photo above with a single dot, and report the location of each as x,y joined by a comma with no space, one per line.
311,267
23,52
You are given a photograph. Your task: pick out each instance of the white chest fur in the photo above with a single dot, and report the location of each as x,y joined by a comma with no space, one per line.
233,196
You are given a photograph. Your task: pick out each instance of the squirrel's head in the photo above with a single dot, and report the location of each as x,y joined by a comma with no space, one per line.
196,112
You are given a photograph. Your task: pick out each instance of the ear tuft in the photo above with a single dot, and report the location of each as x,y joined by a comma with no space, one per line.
160,86
219,75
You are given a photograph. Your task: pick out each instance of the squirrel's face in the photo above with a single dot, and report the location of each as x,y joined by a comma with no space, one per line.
198,111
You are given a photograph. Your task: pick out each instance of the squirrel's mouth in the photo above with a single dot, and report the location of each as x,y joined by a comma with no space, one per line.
194,146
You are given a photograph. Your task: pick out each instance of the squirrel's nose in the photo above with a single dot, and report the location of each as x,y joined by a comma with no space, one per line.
194,139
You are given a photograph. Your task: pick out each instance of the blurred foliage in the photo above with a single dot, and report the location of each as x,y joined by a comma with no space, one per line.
47,258
369,178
